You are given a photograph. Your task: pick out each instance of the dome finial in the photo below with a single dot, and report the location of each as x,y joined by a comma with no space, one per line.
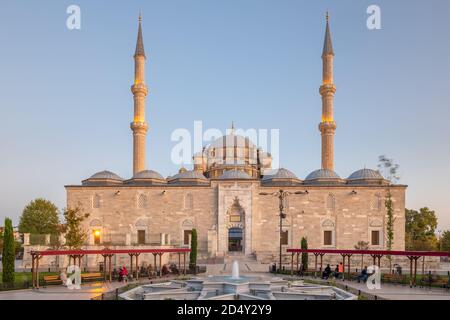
140,15
327,16
232,127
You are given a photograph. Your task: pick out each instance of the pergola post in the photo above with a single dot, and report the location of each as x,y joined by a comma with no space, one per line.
415,270
104,266
184,262
423,267
348,267
298,263
315,264
131,263
110,267
32,270
160,264
379,261
137,266
179,263
343,266
37,271
321,261
292,263
154,263
410,271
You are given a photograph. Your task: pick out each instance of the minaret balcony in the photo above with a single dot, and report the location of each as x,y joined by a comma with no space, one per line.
139,88
327,127
139,127
327,89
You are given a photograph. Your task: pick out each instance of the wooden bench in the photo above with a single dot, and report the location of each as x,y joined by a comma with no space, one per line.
393,278
52,280
85,277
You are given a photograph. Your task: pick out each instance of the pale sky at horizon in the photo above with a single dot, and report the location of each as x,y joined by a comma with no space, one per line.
66,105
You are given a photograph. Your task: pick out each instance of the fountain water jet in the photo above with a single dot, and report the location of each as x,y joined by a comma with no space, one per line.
235,271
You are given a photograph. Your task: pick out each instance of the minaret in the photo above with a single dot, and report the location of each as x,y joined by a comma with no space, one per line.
140,91
327,127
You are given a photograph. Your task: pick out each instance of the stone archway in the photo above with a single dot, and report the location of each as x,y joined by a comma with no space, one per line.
236,227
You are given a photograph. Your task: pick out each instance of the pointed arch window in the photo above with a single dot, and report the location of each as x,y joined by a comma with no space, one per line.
96,201
189,201
377,202
142,201
331,202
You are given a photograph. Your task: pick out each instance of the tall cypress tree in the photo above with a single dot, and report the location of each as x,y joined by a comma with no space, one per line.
8,253
304,245
193,254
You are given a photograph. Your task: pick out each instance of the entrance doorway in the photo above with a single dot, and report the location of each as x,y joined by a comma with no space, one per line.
235,240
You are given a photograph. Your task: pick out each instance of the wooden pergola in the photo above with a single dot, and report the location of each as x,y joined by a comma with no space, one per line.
376,255
107,254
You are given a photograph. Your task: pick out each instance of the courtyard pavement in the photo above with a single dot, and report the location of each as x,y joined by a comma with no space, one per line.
395,292
87,292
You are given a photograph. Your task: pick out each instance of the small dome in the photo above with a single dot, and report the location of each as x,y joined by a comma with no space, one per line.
148,174
103,178
366,176
234,174
188,175
281,174
182,169
105,175
323,176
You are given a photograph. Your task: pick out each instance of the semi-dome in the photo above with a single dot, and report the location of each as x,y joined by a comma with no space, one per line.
103,177
234,174
366,176
323,176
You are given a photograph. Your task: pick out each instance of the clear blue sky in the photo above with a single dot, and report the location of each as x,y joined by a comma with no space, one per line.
66,105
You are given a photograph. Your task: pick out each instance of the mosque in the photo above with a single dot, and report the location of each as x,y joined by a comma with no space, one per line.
228,195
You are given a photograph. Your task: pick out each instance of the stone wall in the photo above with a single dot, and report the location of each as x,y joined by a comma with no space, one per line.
351,213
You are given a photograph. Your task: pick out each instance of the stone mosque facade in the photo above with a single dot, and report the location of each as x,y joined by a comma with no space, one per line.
222,196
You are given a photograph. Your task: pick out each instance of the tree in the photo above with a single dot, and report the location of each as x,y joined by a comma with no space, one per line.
304,245
76,235
193,254
362,245
40,216
420,229
445,241
389,169
8,255
390,220
1,240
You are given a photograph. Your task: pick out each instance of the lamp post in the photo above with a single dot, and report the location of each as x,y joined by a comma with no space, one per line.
281,195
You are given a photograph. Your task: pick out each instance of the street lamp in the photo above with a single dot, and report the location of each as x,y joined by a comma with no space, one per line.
281,195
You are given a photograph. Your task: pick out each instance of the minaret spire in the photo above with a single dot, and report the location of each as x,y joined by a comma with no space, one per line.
140,91
327,127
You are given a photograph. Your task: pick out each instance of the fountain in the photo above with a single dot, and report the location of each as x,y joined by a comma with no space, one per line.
235,271
236,287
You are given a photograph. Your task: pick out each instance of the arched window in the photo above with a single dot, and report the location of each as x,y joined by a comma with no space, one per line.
188,201
377,202
96,201
142,201
331,202
286,203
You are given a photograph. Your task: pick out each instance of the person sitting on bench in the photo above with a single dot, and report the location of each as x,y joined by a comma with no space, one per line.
326,273
364,275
